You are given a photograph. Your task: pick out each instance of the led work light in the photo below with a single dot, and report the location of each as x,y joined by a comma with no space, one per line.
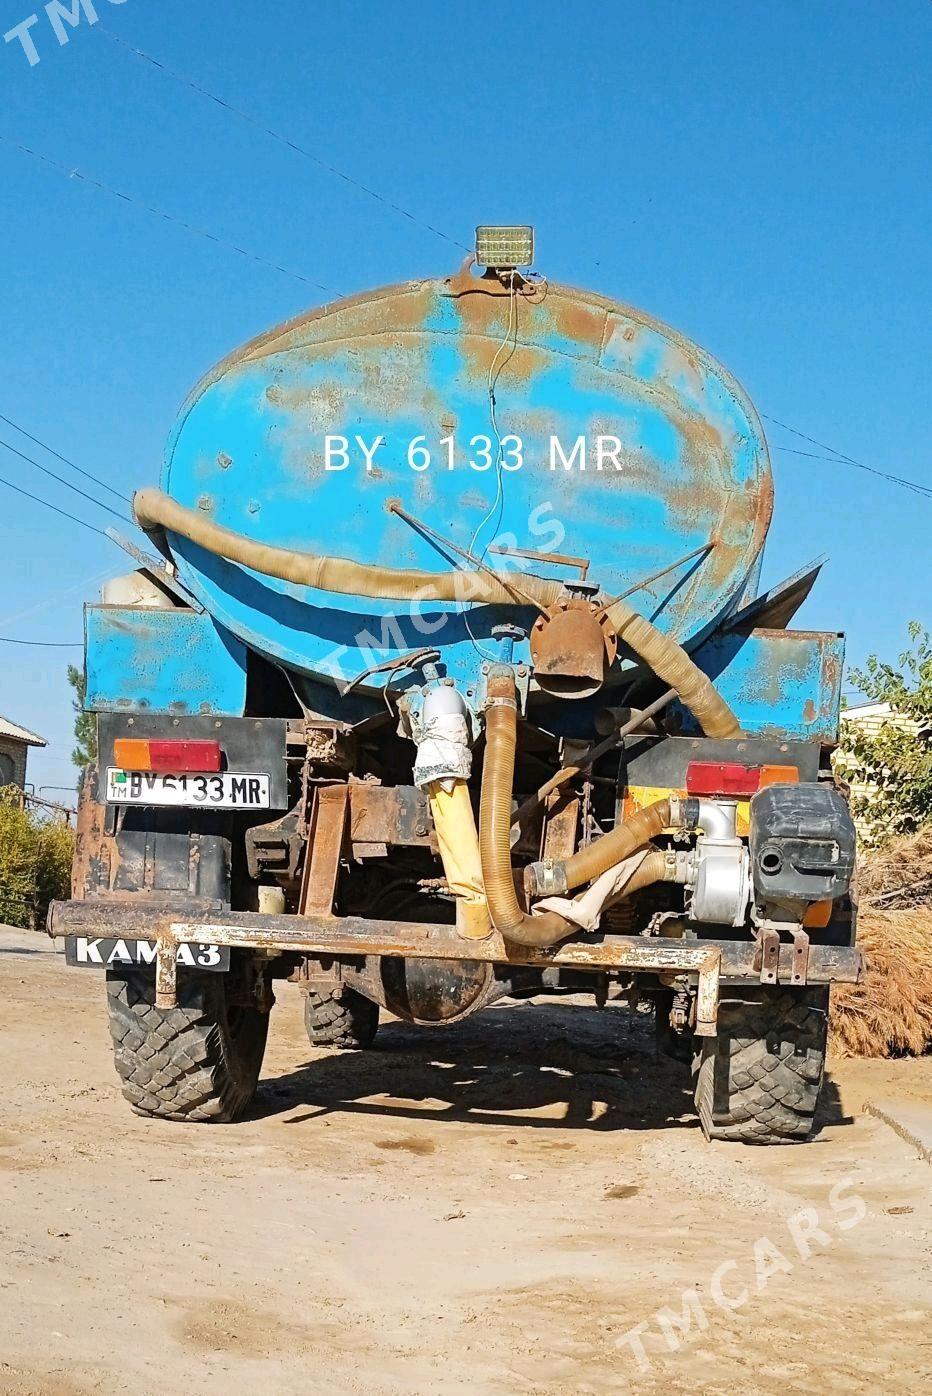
504,248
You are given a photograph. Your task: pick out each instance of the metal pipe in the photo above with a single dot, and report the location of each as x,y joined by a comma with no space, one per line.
590,757
655,576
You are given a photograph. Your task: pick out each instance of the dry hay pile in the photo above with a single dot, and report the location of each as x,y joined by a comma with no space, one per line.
889,1014
898,875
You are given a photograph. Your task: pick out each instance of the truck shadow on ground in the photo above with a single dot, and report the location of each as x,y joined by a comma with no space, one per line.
541,1066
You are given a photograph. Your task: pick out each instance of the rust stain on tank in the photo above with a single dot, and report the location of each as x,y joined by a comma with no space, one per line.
578,321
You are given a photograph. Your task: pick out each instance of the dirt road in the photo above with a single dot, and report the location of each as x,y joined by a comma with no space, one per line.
490,1209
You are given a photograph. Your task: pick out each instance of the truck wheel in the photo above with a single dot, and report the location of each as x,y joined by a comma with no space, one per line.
199,1061
340,1017
758,1080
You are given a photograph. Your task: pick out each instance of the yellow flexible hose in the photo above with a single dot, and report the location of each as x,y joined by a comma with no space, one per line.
458,842
154,509
498,772
619,843
651,870
547,928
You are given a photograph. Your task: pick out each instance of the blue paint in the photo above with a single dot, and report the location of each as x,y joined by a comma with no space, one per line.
248,452
177,661
780,683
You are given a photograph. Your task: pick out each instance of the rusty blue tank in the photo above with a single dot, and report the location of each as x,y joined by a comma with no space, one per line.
624,446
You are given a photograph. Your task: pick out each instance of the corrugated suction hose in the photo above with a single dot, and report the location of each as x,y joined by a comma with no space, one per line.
498,771
619,843
667,659
495,815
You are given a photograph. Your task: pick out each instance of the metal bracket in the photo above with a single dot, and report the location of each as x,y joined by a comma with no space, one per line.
800,973
555,559
769,952
522,675
463,283
157,568
769,955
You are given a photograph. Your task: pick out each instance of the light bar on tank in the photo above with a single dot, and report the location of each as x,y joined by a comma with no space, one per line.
504,248
154,754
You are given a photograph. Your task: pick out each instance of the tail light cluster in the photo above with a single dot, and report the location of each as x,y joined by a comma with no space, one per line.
730,778
170,757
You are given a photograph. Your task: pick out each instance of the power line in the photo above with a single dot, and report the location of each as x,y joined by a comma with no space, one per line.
62,481
42,644
161,213
64,459
840,457
260,125
54,507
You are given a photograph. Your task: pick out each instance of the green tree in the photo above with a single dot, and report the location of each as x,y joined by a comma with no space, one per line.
85,724
35,861
896,762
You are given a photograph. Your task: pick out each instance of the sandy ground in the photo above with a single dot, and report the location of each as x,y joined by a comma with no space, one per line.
489,1208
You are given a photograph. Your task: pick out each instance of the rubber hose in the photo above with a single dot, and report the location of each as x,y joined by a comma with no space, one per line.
619,843
670,662
498,771
154,509
650,871
587,909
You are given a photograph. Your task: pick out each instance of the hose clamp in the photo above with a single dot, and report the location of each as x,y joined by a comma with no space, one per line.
546,878
495,677
684,811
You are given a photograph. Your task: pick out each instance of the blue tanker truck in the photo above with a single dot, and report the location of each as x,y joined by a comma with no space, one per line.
448,677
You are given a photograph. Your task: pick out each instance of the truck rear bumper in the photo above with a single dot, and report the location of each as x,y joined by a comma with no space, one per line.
170,925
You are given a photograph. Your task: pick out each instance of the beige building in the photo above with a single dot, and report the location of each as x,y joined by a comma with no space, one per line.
15,742
870,718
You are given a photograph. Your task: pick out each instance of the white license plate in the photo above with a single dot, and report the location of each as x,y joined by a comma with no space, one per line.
97,952
227,790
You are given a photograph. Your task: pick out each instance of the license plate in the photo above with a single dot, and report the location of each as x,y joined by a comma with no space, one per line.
97,952
228,790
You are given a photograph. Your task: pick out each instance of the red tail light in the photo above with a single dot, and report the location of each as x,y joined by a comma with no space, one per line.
722,778
730,778
156,754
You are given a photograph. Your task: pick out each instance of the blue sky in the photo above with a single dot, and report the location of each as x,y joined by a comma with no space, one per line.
756,174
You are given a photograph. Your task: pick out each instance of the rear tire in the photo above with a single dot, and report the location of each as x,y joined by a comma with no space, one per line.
199,1061
758,1080
342,1018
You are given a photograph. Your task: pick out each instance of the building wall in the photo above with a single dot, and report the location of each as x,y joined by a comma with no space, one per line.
17,752
870,718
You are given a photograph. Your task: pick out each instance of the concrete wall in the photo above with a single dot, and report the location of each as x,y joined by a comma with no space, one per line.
17,753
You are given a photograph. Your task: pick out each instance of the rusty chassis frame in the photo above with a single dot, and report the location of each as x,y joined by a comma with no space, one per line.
172,925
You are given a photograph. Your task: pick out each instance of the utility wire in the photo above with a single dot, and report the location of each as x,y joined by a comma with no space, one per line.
161,213
847,460
840,460
124,518
278,136
54,507
64,459
42,644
